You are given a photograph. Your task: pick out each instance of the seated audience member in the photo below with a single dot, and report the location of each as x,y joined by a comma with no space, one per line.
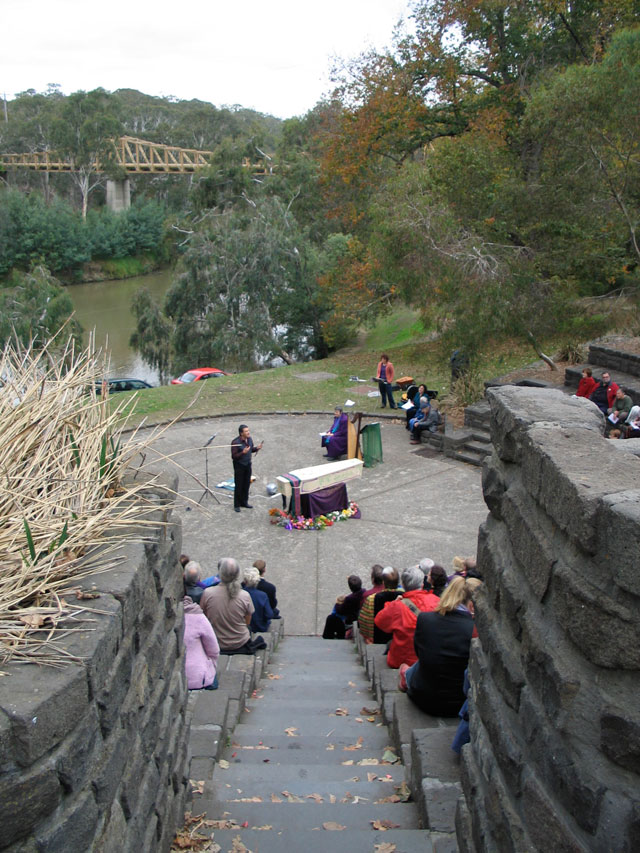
262,612
345,611
437,579
421,414
391,591
464,567
183,559
425,565
587,384
415,399
631,427
619,412
399,617
201,648
442,642
429,423
365,616
335,440
268,587
229,609
191,576
604,394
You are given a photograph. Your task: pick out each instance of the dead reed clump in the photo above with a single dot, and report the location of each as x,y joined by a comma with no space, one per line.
64,510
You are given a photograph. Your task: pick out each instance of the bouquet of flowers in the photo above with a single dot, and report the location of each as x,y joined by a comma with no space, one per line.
300,522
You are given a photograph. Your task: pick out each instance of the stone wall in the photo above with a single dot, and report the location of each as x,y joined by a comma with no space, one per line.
92,755
615,359
554,762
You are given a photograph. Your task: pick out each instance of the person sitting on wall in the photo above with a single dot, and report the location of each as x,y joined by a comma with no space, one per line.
587,384
442,642
365,616
268,587
335,440
399,617
604,393
201,648
619,411
229,609
262,613
423,411
420,391
345,611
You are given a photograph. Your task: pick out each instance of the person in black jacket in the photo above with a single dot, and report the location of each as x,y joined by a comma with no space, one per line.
442,642
268,587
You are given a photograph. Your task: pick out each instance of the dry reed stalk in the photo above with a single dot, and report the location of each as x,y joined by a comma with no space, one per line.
64,509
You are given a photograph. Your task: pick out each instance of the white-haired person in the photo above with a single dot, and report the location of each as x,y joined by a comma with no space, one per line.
262,612
229,609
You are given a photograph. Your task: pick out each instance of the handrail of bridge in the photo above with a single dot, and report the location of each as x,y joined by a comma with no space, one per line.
135,156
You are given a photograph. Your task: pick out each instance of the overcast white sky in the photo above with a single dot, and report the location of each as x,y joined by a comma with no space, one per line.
271,56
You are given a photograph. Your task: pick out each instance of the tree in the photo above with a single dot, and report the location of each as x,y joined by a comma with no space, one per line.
84,130
152,335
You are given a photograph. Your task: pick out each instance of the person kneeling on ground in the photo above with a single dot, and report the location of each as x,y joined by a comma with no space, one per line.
399,617
229,609
201,648
262,613
442,642
345,611
335,440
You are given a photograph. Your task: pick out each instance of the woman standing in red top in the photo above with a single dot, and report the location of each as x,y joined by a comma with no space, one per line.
384,375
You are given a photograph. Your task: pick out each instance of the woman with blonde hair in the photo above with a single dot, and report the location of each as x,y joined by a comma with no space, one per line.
442,641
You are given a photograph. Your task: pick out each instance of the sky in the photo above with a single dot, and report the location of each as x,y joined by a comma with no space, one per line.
274,56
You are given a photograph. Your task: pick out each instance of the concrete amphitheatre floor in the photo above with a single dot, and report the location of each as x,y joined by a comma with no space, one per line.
415,504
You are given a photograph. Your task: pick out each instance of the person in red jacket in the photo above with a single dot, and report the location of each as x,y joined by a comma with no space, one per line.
587,384
384,375
399,617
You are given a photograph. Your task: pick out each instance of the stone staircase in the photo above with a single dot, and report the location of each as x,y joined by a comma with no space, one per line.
311,755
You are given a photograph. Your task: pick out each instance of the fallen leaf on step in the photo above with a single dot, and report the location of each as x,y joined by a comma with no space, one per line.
223,764
247,800
359,720
394,798
223,824
244,825
332,799
237,846
291,731
371,719
354,779
385,847
371,777
384,824
404,792
272,676
275,798
340,712
347,797
266,826
358,799
315,797
357,745
331,824
197,787
350,761
389,757
292,798
351,684
260,746
330,747
367,761
364,710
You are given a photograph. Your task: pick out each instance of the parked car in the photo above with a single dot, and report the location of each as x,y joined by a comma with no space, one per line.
119,383
197,374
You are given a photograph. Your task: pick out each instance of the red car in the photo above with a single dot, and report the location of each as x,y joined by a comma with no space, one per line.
197,374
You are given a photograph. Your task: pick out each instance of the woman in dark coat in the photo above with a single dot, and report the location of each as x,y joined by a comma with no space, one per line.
335,441
442,642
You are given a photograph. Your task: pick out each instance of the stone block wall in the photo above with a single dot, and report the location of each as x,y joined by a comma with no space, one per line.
615,359
554,760
93,754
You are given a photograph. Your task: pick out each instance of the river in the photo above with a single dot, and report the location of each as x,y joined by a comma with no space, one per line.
106,307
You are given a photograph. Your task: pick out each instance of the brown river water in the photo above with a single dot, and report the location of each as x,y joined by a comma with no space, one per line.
106,307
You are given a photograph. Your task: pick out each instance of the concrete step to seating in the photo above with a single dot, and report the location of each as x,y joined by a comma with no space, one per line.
479,447
469,457
355,841
314,766
481,435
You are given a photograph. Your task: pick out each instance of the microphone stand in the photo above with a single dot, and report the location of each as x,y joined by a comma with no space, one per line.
207,489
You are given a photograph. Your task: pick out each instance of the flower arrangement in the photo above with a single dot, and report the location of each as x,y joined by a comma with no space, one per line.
292,522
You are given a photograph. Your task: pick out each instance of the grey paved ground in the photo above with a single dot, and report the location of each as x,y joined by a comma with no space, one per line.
412,507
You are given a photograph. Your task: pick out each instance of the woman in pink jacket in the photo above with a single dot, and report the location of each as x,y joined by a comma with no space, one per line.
201,648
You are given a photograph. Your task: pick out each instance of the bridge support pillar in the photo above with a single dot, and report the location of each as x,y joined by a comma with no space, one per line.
118,195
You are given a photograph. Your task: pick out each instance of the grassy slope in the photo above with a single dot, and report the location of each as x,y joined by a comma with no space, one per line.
281,389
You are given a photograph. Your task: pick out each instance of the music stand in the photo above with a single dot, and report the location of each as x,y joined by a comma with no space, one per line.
207,490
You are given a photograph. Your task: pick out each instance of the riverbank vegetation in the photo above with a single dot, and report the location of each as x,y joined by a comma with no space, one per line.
482,172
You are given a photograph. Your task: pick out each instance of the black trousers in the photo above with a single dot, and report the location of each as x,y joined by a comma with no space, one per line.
242,479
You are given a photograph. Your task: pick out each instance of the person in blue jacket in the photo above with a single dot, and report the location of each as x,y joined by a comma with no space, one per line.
262,614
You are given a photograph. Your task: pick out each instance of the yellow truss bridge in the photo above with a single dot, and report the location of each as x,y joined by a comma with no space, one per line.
135,156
